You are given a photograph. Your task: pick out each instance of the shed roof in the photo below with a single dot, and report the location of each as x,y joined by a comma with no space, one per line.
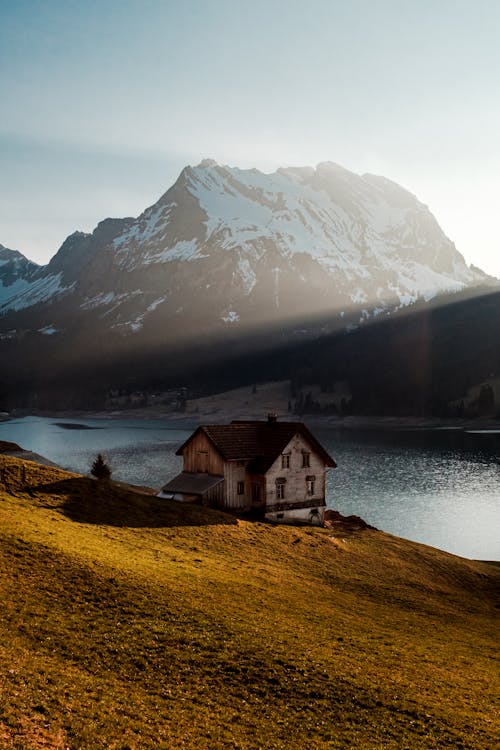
187,483
260,442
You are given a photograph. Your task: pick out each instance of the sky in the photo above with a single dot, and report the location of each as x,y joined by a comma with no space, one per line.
105,101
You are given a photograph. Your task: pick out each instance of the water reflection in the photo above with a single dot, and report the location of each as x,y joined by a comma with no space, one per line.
438,487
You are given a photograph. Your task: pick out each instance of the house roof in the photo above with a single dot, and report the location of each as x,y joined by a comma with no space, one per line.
187,483
260,442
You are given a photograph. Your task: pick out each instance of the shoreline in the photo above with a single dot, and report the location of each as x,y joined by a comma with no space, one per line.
219,416
255,403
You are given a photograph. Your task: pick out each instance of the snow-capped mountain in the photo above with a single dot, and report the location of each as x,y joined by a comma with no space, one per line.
16,273
226,247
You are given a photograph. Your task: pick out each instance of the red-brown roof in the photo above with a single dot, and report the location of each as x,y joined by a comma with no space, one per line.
258,442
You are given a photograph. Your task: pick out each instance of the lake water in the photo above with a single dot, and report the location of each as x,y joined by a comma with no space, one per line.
439,487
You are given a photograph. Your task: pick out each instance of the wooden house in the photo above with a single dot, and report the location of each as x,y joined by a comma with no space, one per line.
277,469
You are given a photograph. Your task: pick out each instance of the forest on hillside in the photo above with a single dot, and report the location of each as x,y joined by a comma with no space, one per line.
418,362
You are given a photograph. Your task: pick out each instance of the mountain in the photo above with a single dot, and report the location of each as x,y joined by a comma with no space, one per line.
226,246
230,260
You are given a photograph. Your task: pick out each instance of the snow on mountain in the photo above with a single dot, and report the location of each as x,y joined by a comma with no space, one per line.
38,291
347,223
24,284
229,246
15,274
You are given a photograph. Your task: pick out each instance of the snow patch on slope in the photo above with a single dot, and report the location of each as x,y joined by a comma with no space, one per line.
247,275
99,300
137,323
231,317
11,290
182,250
35,292
146,228
245,207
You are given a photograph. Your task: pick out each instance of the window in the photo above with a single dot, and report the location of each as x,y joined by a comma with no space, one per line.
240,488
310,483
256,492
280,488
305,459
240,463
285,461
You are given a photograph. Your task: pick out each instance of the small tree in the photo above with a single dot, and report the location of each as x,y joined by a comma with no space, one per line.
100,468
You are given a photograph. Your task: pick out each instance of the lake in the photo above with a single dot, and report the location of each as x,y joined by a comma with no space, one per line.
439,487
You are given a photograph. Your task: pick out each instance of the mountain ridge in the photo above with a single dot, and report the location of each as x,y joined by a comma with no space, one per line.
356,240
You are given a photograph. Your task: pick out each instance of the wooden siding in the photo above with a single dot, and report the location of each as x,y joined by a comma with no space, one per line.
234,472
199,455
296,476
215,496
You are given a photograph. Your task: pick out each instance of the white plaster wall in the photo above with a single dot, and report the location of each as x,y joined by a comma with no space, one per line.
298,515
295,486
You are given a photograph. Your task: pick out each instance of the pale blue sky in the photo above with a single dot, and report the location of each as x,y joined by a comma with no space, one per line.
104,102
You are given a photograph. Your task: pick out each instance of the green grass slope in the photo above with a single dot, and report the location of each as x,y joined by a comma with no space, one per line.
130,622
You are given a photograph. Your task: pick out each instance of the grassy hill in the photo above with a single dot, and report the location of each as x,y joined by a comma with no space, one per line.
130,622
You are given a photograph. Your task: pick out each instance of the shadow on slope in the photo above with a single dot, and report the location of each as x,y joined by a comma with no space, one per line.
103,503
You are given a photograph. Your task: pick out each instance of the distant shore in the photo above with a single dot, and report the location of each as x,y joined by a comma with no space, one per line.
256,402
211,416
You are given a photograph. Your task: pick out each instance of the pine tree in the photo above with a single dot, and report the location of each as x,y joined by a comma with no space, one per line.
100,469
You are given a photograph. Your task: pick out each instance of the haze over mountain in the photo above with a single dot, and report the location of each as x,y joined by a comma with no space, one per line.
226,253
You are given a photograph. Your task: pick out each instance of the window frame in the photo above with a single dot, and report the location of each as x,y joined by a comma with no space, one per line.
285,460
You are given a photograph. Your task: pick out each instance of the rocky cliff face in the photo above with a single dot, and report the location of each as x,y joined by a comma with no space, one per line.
230,248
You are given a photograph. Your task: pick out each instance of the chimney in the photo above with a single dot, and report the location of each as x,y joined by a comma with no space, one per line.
272,418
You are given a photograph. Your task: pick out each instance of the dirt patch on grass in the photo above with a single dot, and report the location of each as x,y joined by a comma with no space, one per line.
336,521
